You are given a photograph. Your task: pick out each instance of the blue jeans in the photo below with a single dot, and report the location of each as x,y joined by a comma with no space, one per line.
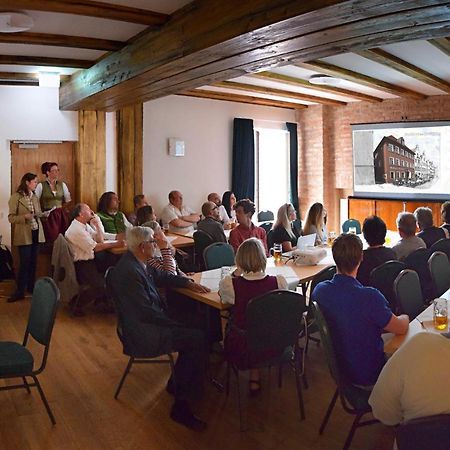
28,261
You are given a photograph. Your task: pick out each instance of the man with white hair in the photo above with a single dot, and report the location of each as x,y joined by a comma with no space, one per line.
409,242
147,328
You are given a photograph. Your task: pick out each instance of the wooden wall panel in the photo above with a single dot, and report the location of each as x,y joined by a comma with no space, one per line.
434,206
90,157
359,209
130,154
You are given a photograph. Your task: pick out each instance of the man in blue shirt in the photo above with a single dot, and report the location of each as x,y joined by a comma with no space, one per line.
356,315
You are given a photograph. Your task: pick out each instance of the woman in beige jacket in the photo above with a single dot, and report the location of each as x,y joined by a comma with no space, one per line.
24,215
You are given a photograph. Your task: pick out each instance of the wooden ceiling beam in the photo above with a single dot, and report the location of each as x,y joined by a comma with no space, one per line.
214,95
278,92
299,82
359,78
60,40
217,40
443,44
46,62
393,62
89,8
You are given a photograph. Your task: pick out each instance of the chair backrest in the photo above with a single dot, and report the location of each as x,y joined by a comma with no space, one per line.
443,245
265,215
431,432
418,261
201,241
409,294
43,311
274,320
269,239
351,223
440,272
266,226
382,278
218,255
326,274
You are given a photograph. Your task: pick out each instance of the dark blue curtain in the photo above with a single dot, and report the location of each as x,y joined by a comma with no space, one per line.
243,173
293,162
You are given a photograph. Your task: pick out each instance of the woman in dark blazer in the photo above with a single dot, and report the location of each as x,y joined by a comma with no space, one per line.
24,215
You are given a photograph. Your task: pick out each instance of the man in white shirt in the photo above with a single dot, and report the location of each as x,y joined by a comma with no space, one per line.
414,381
179,218
86,238
223,216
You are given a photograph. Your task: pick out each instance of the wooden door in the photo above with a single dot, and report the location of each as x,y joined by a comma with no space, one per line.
359,209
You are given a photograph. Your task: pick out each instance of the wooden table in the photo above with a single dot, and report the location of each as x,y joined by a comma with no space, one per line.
422,323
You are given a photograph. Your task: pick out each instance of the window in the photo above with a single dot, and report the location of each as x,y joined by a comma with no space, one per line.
272,187
390,147
402,151
391,160
392,175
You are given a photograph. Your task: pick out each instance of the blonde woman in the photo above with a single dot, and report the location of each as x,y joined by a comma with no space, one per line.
283,231
238,291
316,223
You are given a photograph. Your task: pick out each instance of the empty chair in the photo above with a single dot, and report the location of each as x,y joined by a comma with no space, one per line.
431,432
409,294
443,245
382,278
218,255
265,215
354,400
351,223
16,361
418,261
274,322
440,272
201,241
134,357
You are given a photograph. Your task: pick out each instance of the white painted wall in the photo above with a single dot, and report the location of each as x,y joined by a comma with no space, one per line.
28,113
206,127
111,152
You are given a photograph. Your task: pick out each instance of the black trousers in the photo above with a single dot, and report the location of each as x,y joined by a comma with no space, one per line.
28,261
88,274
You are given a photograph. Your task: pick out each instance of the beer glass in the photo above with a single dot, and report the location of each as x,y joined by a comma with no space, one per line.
440,313
331,238
224,271
276,252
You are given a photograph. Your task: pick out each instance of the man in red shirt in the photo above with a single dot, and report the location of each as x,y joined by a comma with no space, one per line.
246,229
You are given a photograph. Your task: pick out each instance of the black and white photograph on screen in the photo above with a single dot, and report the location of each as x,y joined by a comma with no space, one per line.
402,159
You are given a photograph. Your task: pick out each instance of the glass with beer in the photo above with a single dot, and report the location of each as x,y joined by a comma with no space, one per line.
276,252
440,313
331,238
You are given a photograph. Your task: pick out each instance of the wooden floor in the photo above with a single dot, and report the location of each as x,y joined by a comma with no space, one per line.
85,364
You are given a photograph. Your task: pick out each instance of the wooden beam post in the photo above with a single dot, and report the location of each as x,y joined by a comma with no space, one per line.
130,154
90,157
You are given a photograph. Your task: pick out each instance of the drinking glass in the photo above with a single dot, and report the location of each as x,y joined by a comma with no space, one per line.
331,238
352,230
440,313
276,252
224,271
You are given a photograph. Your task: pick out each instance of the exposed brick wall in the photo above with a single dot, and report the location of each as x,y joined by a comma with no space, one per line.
325,144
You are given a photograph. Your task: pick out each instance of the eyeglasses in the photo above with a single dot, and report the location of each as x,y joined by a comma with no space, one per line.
151,241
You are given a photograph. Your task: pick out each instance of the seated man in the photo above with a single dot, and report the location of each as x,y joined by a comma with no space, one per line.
445,213
246,229
147,328
223,215
414,381
179,218
113,220
356,315
428,232
406,224
87,242
374,231
211,222
138,201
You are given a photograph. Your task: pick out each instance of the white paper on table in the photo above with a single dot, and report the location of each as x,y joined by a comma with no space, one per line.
171,238
211,279
287,272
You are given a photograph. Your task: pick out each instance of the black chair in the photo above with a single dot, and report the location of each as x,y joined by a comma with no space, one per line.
218,255
269,239
274,321
354,400
443,245
201,241
418,261
133,358
382,278
431,433
16,361
349,223
265,216
409,294
440,272
266,226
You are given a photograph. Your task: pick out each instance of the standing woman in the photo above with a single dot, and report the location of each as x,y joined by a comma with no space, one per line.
283,232
24,215
316,223
53,195
228,201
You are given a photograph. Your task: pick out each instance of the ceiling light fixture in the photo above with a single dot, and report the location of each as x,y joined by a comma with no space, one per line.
13,22
49,79
324,80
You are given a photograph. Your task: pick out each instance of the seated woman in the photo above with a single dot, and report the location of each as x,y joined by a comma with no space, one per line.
145,215
316,221
283,232
238,291
113,220
374,231
228,201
